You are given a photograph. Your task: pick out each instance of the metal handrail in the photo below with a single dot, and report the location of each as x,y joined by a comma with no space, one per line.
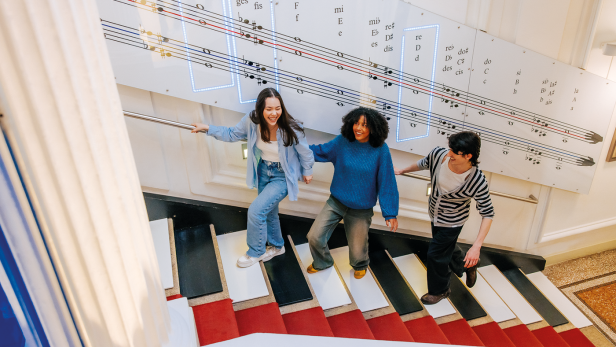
531,199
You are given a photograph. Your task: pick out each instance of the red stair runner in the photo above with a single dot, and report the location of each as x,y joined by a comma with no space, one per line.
308,322
575,337
260,319
459,332
173,297
522,337
426,330
215,322
389,327
350,324
550,338
492,335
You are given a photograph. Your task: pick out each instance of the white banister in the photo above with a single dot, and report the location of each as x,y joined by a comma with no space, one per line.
62,116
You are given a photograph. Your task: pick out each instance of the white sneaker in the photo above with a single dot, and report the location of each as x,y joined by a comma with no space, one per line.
247,261
272,251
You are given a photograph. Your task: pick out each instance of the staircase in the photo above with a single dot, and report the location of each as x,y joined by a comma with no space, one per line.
512,304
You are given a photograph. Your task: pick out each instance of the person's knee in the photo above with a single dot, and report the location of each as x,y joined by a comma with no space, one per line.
314,239
255,213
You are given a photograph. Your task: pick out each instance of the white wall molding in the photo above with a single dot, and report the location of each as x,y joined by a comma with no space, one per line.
64,120
585,228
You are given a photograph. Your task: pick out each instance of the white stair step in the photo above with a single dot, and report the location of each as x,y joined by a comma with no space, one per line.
366,292
326,284
243,283
558,299
489,299
160,235
510,295
183,329
413,270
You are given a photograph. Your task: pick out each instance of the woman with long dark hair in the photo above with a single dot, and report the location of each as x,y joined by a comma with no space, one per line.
363,172
278,157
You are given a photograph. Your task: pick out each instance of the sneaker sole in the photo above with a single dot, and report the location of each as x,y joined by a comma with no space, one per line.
273,255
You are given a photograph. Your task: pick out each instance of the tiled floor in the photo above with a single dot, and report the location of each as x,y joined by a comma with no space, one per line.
590,283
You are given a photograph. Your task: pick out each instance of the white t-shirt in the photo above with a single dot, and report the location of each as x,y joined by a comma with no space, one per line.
449,180
269,151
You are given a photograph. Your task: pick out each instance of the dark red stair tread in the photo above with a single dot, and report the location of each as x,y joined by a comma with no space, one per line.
575,337
492,335
308,322
351,325
215,322
390,328
550,338
459,332
260,319
173,297
426,330
522,337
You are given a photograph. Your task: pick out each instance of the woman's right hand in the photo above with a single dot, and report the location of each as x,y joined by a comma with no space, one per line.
398,171
199,127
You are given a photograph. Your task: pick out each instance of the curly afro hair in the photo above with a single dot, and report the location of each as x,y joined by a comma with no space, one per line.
379,128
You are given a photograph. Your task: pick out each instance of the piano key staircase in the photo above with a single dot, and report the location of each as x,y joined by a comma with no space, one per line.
512,305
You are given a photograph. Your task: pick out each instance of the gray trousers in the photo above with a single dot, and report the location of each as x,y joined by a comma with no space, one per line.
356,225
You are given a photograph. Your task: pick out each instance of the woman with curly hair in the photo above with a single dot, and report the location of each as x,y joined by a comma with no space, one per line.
363,171
278,156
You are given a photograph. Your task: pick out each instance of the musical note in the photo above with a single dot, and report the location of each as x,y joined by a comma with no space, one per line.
539,132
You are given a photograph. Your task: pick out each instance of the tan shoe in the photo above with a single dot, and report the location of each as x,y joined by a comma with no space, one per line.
359,274
311,270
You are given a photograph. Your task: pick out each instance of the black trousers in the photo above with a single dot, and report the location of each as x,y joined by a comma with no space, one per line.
444,256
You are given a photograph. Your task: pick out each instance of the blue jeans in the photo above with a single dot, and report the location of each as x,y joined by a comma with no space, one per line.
263,222
356,225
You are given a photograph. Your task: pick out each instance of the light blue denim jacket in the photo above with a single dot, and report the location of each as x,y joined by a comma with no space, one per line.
296,160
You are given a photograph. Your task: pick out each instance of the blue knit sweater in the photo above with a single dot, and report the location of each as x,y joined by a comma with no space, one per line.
361,173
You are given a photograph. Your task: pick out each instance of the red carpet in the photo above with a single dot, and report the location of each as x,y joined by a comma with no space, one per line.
260,319
550,338
426,330
522,337
492,335
307,322
173,297
575,337
389,327
460,333
351,324
215,322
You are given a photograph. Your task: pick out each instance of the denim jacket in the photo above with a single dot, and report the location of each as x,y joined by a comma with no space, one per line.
296,160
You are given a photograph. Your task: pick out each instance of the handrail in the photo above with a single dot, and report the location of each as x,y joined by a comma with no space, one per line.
531,199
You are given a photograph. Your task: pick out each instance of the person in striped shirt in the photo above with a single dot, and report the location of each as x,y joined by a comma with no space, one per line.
455,180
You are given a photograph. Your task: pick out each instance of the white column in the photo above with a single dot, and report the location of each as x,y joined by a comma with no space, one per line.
63,116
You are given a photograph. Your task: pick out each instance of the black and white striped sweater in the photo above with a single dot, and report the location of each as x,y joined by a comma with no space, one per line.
453,208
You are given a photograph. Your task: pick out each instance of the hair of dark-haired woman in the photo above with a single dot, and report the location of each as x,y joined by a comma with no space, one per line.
285,122
377,124
466,142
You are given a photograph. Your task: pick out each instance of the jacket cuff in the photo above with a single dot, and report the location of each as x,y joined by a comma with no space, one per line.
307,172
390,217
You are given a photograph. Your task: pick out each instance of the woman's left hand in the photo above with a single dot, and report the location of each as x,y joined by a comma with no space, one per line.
393,224
472,257
308,179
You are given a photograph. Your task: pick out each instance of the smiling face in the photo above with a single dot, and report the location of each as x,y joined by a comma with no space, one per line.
272,111
459,158
361,130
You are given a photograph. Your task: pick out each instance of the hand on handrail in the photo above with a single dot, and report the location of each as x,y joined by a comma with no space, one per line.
200,127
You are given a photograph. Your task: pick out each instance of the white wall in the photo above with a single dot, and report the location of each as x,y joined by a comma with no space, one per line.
174,162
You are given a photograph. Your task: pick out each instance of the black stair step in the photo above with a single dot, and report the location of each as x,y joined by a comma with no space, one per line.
395,287
197,265
534,296
464,301
286,277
